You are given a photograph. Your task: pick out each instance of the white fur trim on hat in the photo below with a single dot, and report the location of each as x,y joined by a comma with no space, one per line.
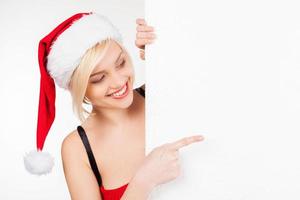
67,50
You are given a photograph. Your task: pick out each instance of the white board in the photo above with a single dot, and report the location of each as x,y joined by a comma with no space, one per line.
229,70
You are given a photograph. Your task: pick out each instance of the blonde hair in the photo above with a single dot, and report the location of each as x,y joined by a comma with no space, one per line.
80,77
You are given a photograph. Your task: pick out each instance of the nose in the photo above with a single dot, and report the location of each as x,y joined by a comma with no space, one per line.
117,81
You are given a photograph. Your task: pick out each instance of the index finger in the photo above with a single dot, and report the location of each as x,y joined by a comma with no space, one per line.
186,141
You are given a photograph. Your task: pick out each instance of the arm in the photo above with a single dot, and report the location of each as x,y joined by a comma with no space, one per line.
80,179
137,189
160,166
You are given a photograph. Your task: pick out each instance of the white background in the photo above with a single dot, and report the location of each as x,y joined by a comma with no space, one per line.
23,24
229,70
226,69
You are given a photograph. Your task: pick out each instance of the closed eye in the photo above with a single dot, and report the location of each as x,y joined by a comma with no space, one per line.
102,77
122,64
99,79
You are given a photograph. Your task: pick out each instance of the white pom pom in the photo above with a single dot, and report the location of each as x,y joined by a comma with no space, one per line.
38,162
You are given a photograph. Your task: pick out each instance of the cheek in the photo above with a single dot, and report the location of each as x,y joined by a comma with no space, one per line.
96,91
130,71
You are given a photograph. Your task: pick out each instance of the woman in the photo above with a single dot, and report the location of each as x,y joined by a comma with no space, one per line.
104,158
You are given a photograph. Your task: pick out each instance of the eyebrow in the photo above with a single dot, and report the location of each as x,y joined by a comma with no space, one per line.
115,63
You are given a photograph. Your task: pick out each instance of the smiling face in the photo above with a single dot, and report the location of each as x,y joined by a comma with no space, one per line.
110,84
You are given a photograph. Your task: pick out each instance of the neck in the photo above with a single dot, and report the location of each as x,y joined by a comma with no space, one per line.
111,116
115,117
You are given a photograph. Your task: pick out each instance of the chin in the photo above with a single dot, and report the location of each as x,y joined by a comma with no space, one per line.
126,102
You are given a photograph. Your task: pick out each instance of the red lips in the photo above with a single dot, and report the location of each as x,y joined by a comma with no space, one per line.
123,95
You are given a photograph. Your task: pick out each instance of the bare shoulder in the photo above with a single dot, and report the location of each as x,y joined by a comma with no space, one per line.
80,179
71,139
72,146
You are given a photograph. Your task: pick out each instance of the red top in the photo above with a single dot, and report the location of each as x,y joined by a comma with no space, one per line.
112,194
106,194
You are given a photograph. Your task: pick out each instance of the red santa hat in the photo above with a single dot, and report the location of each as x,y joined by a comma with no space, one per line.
59,54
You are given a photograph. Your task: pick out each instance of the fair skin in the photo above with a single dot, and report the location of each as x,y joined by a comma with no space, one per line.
116,133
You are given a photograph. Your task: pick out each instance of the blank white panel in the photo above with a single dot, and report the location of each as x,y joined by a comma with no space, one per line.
229,70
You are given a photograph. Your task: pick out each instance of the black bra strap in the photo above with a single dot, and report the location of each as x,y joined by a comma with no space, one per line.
89,151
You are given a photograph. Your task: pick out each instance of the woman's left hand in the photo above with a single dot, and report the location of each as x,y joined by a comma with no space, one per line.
144,36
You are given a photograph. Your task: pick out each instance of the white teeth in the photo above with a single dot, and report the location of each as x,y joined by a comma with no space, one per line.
121,92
